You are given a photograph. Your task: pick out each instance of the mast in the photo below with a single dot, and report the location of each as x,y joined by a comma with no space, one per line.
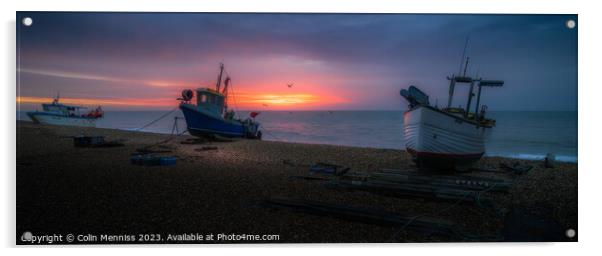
56,99
470,94
225,91
476,110
452,82
470,91
463,56
219,77
466,66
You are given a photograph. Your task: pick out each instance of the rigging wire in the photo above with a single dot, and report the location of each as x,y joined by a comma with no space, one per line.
170,138
234,102
156,120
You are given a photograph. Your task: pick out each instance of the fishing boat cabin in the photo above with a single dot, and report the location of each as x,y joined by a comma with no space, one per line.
211,101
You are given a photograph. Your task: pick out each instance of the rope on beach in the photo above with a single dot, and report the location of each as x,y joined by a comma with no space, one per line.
156,120
171,137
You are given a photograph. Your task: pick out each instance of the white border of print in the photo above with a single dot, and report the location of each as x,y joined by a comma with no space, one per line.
589,139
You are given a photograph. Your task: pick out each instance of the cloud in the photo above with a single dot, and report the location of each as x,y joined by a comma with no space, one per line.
74,75
363,57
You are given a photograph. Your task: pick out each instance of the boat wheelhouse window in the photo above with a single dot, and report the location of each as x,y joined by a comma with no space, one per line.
202,98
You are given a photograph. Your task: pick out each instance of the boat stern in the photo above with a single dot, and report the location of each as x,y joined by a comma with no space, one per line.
32,116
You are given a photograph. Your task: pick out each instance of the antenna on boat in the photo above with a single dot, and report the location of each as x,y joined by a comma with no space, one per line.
466,66
463,56
56,99
453,79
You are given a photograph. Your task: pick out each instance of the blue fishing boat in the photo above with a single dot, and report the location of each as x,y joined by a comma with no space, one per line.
210,115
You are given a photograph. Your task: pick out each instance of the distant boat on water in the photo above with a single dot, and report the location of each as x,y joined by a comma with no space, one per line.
449,136
56,113
210,115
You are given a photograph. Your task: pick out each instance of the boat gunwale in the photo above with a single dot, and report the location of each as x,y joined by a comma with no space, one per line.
450,115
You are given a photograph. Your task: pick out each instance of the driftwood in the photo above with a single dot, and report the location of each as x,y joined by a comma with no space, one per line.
292,164
193,141
412,190
206,148
364,215
460,182
94,142
517,168
331,169
406,183
296,177
110,144
151,151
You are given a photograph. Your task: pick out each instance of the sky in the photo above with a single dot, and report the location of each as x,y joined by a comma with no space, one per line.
142,61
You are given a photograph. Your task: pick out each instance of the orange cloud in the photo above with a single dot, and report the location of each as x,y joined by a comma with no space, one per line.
75,75
163,102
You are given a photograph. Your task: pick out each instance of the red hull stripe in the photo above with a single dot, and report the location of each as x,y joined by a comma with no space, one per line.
444,155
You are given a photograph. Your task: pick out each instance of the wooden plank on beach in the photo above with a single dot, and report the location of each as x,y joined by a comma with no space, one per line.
364,215
455,181
473,184
417,175
298,177
411,191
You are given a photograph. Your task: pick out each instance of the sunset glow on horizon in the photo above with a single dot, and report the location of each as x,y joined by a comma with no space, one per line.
241,102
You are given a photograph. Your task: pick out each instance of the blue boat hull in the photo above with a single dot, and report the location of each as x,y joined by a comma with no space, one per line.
202,124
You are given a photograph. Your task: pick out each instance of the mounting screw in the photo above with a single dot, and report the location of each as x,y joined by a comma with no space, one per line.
27,21
571,24
570,233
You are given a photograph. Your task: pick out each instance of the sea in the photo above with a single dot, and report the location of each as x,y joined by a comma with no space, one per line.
517,134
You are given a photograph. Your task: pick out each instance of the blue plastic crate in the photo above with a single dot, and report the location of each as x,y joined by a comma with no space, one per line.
151,160
167,160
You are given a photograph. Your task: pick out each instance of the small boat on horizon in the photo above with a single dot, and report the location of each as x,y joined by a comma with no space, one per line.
210,115
451,136
56,113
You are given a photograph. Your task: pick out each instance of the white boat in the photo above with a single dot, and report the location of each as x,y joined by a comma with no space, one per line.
56,113
450,136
